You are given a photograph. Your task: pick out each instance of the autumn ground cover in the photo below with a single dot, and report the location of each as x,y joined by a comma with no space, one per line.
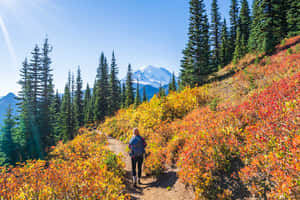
233,138
80,169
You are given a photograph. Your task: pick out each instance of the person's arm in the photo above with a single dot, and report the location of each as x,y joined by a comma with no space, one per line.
144,142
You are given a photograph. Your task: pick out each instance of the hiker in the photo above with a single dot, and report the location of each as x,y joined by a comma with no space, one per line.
137,146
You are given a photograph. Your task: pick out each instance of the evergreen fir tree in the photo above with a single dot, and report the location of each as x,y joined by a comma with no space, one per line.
101,100
264,36
144,94
240,47
293,17
195,63
129,89
234,21
66,125
46,98
137,100
254,28
244,24
114,90
34,72
161,92
123,95
215,35
25,110
34,140
78,101
187,66
7,145
88,112
225,46
55,110
172,84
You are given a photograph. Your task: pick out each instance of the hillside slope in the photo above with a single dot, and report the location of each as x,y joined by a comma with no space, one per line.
236,137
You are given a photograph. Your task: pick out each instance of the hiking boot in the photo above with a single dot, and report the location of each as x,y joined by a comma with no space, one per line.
134,181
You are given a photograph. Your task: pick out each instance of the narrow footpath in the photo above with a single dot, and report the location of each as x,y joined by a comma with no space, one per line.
166,187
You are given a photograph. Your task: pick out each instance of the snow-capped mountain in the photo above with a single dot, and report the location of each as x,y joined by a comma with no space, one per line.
152,76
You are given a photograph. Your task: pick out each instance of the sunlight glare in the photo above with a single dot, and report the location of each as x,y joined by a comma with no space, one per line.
8,41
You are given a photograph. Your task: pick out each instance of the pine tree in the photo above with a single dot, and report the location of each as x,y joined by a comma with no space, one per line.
293,17
225,46
234,21
55,110
187,66
144,94
195,63
215,35
25,118
34,74
254,28
123,95
161,92
66,125
47,96
34,94
7,145
137,100
87,108
172,84
114,90
101,100
129,89
264,36
244,24
240,50
78,101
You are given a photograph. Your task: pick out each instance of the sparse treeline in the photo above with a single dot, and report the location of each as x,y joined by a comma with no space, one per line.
46,117
256,32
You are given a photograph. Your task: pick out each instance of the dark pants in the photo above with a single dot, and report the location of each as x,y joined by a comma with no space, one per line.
139,161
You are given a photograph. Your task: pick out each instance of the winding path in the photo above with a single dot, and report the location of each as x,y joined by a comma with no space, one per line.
164,188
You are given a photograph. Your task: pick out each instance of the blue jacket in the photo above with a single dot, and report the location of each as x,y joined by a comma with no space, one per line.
137,145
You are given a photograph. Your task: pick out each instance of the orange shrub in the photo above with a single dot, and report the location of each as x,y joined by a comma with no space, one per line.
80,169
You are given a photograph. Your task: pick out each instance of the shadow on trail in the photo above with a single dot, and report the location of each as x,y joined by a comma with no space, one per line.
166,180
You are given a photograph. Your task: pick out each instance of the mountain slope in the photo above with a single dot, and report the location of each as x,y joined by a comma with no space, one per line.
233,138
9,99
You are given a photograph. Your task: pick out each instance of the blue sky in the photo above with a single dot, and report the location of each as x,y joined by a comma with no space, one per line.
141,32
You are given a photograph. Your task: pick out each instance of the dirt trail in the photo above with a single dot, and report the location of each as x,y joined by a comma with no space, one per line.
164,188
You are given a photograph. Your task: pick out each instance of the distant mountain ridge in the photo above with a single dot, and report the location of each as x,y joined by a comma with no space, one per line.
5,101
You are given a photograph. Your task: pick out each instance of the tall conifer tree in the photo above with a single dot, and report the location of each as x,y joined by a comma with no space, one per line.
114,90
195,63
66,125
88,112
137,100
225,46
7,145
245,22
129,88
144,94
234,21
101,100
47,96
293,17
215,35
78,101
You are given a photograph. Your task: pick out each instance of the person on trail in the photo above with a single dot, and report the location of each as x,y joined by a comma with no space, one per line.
137,146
